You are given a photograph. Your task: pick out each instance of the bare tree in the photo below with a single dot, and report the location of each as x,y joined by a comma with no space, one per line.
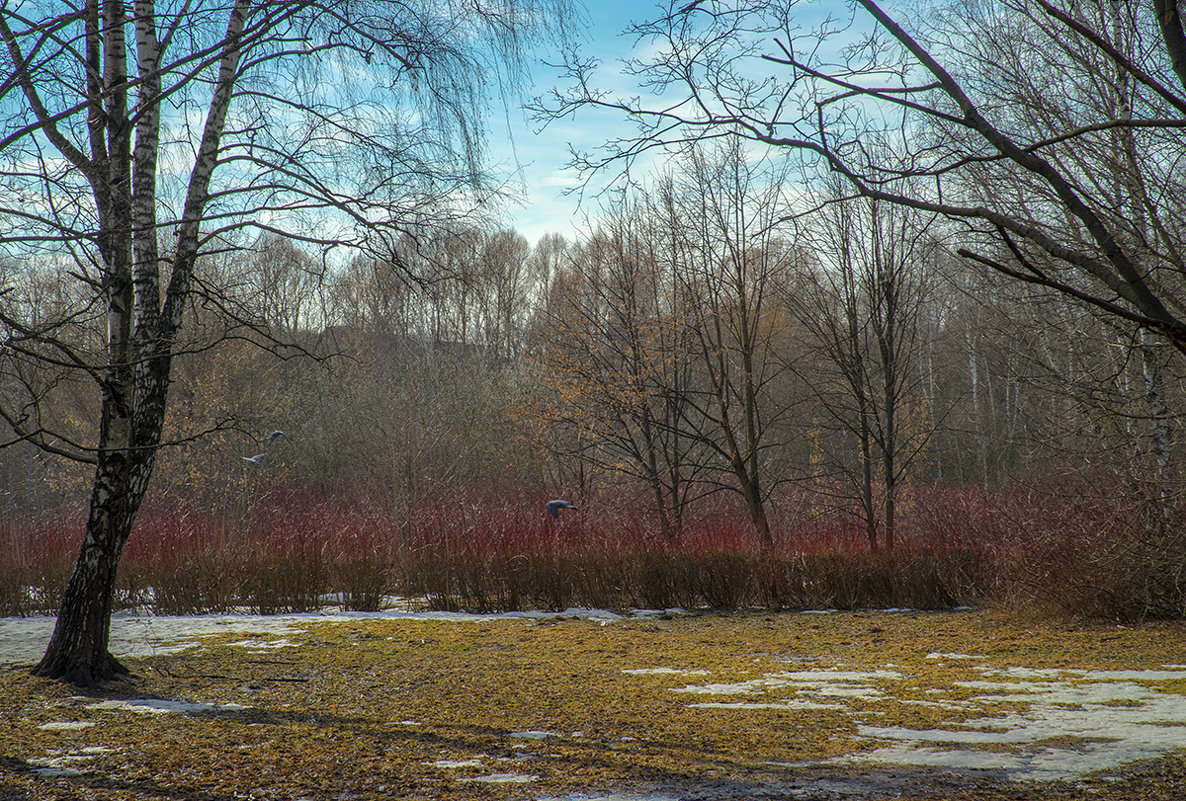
139,136
547,259
863,305
834,93
719,211
282,287
503,284
612,358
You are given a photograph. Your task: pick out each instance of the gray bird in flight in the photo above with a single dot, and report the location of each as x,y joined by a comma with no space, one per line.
555,506
259,459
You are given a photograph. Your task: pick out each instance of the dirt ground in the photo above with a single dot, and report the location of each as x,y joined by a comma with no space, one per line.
959,705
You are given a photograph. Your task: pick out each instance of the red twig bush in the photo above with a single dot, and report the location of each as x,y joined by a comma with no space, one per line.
296,550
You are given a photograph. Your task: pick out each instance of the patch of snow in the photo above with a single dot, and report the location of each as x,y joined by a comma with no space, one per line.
453,764
1136,675
794,703
57,765
502,778
532,735
66,725
1004,687
1023,672
819,682
1044,764
743,688
161,706
263,645
664,671
1109,717
854,691
47,770
935,704
828,676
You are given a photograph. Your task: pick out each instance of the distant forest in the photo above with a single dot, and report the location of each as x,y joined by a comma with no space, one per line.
687,347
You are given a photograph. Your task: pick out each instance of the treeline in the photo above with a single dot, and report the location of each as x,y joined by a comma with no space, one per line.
699,348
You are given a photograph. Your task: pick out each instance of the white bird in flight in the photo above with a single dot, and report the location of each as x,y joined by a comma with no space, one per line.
256,460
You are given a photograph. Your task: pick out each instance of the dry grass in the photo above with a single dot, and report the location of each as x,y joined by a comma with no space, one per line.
390,709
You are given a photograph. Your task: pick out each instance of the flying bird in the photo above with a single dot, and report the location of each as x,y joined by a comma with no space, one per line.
277,434
257,460
554,507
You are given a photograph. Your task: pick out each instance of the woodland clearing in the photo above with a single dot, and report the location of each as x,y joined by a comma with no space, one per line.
581,705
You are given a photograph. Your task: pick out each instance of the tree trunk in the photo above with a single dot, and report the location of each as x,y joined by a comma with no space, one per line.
1158,415
135,382
78,650
867,510
891,492
757,510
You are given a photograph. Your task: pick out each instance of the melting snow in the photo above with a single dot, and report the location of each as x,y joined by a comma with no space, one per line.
819,682
792,704
453,764
52,769
501,778
263,645
1071,721
161,706
66,725
58,764
23,639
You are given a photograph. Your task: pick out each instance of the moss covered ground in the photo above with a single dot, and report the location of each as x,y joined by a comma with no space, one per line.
714,706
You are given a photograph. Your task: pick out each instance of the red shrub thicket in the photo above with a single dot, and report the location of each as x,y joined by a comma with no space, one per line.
297,549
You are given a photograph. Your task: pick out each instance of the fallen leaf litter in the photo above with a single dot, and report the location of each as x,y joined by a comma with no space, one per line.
751,705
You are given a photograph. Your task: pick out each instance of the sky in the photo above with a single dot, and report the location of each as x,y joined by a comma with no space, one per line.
542,156
548,203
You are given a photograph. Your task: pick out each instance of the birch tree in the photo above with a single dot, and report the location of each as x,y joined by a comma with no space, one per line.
138,139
